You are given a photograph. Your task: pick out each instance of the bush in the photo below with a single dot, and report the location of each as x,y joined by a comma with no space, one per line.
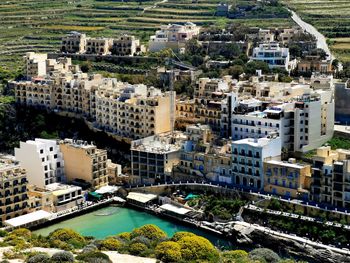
178,235
39,258
111,244
234,256
124,236
22,232
142,240
168,251
94,257
69,236
137,249
3,233
198,248
264,254
89,248
151,232
63,256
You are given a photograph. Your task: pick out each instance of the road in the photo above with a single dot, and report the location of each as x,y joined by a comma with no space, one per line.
321,40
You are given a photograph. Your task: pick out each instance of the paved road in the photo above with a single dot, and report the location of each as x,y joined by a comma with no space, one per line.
321,40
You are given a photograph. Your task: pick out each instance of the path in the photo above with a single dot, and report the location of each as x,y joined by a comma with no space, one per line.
153,6
321,40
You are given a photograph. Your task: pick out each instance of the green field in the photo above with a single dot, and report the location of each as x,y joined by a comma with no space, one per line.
331,18
38,25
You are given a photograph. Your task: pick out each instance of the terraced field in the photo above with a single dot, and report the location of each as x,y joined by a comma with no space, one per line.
38,25
330,17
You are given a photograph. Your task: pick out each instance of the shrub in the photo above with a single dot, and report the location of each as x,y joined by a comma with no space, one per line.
168,251
264,254
141,239
124,236
39,258
3,233
198,248
94,257
89,248
137,249
63,256
60,244
22,232
70,236
234,256
151,232
111,244
178,235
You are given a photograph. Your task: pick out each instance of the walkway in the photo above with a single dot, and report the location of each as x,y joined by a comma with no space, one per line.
228,187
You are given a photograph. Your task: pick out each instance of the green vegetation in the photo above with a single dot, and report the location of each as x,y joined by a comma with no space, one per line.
217,207
339,143
146,241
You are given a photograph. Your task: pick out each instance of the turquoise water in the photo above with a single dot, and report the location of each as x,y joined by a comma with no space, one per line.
115,220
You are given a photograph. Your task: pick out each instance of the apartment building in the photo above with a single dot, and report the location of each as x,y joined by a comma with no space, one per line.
341,98
126,45
311,64
84,162
55,197
248,156
288,179
98,46
301,115
209,97
172,36
42,160
13,189
35,64
123,45
192,163
153,158
274,55
74,42
330,177
124,110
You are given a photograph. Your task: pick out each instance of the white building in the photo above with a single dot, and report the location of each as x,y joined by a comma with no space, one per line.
173,36
274,55
35,64
42,160
248,157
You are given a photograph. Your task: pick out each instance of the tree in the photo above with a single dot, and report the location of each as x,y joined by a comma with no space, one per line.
86,66
231,51
151,232
193,47
197,60
253,66
168,251
236,71
295,51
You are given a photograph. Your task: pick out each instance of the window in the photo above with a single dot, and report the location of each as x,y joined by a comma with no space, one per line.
41,151
58,164
51,149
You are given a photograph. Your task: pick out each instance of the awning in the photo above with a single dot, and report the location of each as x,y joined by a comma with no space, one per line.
28,218
95,195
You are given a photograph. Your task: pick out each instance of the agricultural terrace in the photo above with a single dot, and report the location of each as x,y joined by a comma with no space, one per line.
38,25
330,17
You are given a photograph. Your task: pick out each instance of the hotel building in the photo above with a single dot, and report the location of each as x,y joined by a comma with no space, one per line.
42,160
13,189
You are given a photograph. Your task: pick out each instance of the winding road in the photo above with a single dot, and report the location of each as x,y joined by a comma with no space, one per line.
321,40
